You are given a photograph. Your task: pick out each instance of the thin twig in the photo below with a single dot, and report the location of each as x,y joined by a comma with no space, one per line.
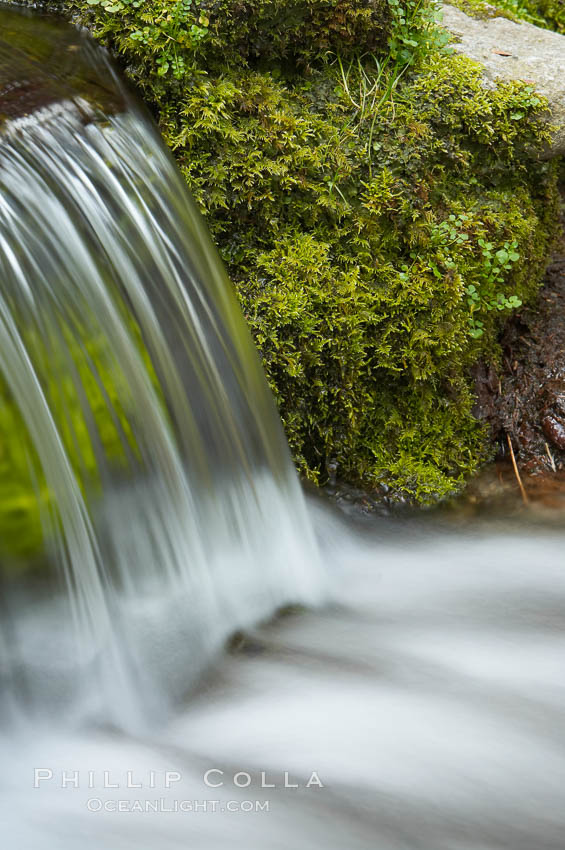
516,473
550,456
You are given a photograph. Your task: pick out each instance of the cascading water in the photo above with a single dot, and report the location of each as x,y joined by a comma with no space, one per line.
147,441
148,508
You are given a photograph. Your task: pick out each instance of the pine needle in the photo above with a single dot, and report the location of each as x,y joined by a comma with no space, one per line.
516,472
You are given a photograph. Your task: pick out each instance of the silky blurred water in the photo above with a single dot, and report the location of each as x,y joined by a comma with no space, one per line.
427,696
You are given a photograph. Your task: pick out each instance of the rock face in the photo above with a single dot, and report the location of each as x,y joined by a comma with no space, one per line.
513,51
43,63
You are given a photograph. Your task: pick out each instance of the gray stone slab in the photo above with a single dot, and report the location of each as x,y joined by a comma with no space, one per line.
535,55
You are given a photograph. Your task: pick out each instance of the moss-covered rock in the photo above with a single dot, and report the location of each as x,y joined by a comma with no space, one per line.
378,210
543,13
516,51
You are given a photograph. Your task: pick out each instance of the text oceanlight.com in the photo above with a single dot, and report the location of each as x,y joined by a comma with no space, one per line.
161,805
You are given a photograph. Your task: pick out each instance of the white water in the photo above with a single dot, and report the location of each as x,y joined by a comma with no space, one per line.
429,697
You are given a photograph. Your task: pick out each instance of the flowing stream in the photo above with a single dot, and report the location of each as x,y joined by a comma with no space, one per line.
413,697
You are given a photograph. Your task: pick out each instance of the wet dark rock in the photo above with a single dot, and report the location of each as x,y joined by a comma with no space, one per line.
554,430
552,404
42,64
243,643
524,398
332,472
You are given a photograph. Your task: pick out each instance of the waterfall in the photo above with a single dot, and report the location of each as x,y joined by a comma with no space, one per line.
142,453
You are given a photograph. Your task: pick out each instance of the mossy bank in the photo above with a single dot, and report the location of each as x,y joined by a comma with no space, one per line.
379,211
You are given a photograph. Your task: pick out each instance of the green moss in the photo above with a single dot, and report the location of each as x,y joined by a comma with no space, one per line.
335,225
549,14
298,29
262,30
378,209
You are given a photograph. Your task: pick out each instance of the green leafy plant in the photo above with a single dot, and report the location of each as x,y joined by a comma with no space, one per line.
414,30
487,295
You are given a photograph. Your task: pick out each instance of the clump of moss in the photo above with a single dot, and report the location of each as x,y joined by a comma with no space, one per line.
378,210
292,29
552,12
